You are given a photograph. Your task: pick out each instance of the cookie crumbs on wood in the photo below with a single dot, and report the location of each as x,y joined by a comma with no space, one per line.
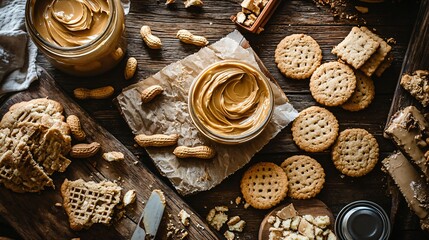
184,217
217,217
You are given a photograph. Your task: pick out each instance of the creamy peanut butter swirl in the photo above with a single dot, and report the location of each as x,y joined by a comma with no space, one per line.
231,99
70,23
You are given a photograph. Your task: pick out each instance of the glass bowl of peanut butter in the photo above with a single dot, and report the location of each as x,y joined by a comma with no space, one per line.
79,37
231,102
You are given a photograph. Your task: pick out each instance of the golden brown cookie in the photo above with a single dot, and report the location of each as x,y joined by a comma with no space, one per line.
87,203
305,176
332,84
297,56
363,94
355,152
315,129
264,185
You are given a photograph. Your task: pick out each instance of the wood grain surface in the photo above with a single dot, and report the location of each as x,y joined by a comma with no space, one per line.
390,19
35,216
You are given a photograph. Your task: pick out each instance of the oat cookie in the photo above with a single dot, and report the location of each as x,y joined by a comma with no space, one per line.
264,185
332,84
305,176
297,56
371,65
363,94
355,152
356,48
315,129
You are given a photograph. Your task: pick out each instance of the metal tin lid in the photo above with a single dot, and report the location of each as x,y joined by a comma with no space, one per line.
362,220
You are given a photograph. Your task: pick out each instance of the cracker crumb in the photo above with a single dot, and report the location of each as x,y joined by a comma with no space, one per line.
238,200
184,235
233,220
391,41
200,227
129,197
184,217
229,235
58,204
217,217
238,227
135,162
246,206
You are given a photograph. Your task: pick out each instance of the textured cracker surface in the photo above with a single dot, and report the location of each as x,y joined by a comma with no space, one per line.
315,129
363,94
356,48
297,56
305,175
332,84
264,185
355,153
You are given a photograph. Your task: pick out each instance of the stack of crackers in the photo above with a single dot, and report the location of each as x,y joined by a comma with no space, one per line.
34,140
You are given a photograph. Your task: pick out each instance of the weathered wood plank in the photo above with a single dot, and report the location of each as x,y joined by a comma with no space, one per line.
50,222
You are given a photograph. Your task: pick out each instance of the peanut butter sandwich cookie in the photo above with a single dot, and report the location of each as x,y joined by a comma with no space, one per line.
297,56
355,152
264,185
356,48
363,94
305,176
332,84
315,129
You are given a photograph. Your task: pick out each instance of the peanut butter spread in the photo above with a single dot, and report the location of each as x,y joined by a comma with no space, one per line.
70,23
231,98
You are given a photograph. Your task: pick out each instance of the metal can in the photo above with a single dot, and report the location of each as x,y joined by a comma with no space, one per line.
362,220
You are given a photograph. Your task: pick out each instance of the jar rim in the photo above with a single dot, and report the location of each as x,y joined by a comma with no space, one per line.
230,139
31,28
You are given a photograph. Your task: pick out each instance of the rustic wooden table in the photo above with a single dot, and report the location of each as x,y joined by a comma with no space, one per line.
292,16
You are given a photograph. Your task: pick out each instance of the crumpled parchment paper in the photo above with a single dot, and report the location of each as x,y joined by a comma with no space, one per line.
168,114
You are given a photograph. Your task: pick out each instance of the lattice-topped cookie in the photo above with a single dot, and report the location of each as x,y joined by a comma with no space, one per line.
363,94
87,203
315,129
264,185
356,48
305,176
355,153
297,56
332,84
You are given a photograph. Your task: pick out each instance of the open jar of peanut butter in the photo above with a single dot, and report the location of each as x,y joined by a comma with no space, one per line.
79,37
231,102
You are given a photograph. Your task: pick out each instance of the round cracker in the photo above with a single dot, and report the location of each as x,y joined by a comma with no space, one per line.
332,84
355,153
305,176
264,185
315,129
363,94
297,56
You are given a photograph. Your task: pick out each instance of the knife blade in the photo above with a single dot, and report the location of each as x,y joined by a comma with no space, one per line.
150,219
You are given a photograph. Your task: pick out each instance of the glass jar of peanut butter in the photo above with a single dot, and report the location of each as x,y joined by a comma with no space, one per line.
231,102
79,37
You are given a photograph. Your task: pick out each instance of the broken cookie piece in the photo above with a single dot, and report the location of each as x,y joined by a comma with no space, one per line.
184,217
87,203
217,217
417,85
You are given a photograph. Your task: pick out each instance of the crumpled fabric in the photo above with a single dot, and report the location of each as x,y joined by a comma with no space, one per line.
17,52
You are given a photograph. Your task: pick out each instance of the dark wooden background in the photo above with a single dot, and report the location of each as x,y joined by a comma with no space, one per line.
390,19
